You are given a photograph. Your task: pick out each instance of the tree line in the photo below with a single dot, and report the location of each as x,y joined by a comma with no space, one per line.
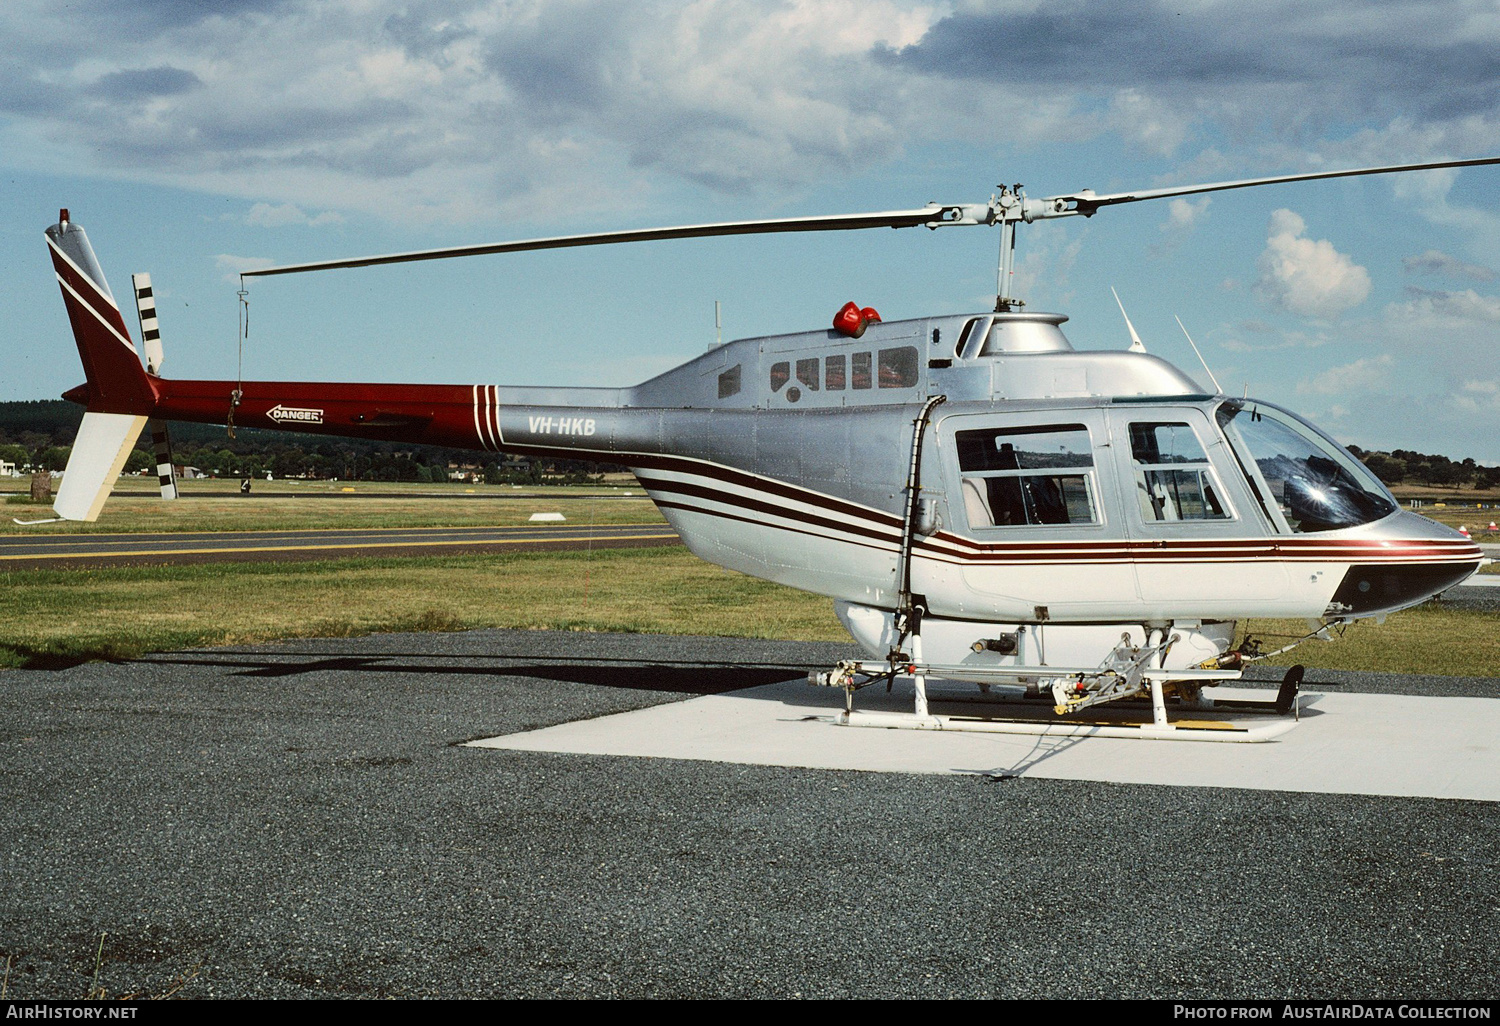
1402,466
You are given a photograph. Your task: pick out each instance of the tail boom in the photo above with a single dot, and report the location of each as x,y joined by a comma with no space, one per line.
460,416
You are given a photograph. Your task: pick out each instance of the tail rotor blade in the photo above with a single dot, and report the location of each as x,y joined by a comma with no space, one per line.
145,308
161,442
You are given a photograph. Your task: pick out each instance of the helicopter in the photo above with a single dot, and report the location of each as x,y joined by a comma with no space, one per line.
982,502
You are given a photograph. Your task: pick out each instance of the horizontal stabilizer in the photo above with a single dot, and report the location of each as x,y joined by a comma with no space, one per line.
99,452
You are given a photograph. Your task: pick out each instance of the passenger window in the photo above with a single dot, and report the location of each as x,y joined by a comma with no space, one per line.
898,367
859,369
781,373
807,373
833,373
1173,479
1028,476
729,382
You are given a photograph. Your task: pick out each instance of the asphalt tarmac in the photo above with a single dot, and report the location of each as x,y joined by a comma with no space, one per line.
65,552
303,820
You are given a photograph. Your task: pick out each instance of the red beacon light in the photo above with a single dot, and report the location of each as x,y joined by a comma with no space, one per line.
852,321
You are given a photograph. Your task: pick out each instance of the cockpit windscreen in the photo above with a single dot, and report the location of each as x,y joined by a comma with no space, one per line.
1316,483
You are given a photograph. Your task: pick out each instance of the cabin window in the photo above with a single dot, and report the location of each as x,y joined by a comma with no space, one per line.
898,367
1173,479
807,373
1028,476
781,373
729,382
859,369
833,373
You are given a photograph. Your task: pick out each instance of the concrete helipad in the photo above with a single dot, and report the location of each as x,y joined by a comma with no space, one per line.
1397,745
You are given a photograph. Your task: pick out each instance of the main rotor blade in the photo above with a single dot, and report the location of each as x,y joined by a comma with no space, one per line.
1086,202
931,216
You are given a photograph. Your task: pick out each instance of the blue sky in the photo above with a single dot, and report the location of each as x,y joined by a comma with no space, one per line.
192,140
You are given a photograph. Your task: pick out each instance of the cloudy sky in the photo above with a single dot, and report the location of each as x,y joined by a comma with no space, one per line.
193,140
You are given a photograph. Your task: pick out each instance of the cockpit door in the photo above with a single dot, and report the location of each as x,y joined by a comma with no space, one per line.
1034,500
1201,547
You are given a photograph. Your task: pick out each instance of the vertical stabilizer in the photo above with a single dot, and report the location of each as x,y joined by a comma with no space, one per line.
99,452
117,382
118,395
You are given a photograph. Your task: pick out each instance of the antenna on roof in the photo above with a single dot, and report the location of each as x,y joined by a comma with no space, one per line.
1136,345
1201,360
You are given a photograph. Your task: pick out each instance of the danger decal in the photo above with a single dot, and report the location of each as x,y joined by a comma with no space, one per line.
294,414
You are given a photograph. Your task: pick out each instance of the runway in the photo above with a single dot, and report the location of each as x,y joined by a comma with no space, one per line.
28,552
306,819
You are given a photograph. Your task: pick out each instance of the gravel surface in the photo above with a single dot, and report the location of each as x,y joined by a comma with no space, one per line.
296,820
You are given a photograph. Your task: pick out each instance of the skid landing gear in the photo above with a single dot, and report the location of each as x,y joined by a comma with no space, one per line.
1126,674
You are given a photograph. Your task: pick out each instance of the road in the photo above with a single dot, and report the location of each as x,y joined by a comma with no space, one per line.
25,552
304,819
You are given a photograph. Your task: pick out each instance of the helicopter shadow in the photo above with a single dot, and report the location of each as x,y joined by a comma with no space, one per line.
685,677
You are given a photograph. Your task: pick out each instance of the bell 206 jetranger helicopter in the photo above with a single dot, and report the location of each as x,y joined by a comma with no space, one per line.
982,502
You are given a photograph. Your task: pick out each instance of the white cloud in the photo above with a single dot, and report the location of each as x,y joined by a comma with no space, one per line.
265,215
1148,123
1435,261
234,266
1184,214
418,112
1042,269
1479,397
1361,375
1267,338
1306,276
1447,309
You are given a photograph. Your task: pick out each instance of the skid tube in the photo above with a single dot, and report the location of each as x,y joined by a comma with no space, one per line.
1234,720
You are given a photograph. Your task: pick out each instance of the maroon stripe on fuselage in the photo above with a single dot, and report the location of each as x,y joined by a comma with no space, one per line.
718,472
890,547
715,495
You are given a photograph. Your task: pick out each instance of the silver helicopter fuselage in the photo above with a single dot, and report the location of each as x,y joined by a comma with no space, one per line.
787,458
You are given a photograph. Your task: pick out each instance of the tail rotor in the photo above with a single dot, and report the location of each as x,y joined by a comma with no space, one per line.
161,440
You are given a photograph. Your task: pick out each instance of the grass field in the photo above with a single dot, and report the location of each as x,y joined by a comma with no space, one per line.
61,617
313,505
52,618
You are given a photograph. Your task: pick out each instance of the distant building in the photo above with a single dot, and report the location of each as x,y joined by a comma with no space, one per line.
8,469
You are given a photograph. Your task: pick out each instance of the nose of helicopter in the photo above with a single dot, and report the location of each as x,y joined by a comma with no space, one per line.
1411,559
